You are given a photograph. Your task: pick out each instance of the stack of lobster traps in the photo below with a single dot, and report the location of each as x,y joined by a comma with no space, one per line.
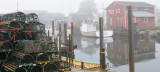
24,46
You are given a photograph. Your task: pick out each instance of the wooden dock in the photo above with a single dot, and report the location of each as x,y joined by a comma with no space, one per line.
88,66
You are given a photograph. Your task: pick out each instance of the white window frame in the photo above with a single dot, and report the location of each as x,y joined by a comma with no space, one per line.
145,19
111,11
117,10
110,21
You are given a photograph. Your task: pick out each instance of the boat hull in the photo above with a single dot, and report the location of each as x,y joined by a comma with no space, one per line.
107,33
88,34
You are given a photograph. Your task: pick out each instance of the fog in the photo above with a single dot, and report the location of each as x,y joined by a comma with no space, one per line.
50,9
62,6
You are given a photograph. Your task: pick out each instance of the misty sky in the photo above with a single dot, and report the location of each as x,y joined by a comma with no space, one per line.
63,6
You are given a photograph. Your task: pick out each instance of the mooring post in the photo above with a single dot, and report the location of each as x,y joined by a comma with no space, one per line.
102,49
60,41
82,65
67,55
69,50
72,41
72,49
53,35
52,27
130,38
65,33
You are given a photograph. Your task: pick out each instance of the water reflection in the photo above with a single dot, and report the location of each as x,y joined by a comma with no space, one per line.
117,51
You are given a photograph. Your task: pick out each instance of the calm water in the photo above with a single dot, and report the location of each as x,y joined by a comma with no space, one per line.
146,53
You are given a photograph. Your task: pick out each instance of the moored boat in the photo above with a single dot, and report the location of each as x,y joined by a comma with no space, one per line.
92,30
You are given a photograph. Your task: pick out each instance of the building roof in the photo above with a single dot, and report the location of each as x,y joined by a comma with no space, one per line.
142,14
135,4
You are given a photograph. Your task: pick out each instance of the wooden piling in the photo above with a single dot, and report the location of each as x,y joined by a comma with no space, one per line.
102,49
72,42
65,33
52,27
130,38
69,50
60,41
82,65
72,50
53,35
67,55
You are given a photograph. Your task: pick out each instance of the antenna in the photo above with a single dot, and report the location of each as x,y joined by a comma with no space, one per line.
17,6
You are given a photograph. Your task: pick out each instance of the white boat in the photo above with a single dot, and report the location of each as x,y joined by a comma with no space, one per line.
92,30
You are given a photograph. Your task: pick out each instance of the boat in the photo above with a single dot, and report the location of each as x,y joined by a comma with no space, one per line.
91,30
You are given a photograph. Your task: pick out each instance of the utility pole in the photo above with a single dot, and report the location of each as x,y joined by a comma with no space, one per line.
102,49
130,38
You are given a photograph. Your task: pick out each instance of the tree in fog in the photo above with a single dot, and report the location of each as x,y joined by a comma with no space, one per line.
89,8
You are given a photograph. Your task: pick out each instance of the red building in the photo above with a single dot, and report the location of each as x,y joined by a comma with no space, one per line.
117,15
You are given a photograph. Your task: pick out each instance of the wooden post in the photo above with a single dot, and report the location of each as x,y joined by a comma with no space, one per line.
130,38
69,50
67,56
65,33
52,27
72,49
82,65
48,33
102,49
60,41
72,42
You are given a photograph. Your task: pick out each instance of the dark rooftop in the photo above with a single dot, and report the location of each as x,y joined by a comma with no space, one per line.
135,4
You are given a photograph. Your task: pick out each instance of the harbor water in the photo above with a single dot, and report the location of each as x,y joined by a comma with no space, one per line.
146,53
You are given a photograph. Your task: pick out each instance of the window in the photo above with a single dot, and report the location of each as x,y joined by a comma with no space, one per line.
118,57
138,19
146,48
117,10
145,19
111,11
111,45
110,21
